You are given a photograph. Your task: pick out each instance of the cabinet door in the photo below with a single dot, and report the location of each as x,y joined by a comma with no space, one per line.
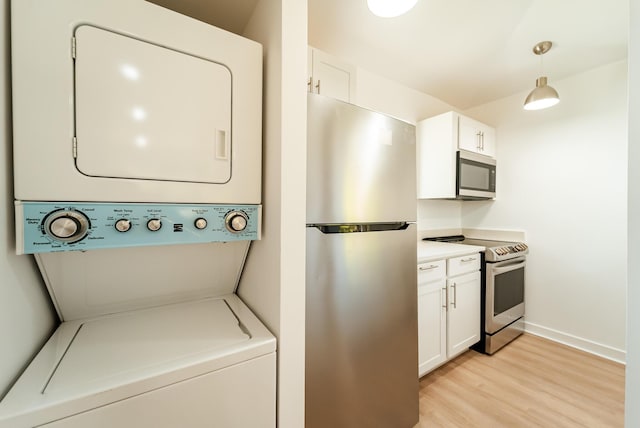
476,137
332,77
489,141
463,314
436,140
432,350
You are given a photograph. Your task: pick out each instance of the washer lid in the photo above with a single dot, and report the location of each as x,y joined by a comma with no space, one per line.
87,364
149,112
129,346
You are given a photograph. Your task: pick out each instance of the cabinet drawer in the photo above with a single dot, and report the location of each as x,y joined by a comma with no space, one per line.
431,271
463,264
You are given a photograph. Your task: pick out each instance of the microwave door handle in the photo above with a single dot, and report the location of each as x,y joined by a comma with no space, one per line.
508,268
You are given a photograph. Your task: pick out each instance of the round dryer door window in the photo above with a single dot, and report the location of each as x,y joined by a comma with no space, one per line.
145,111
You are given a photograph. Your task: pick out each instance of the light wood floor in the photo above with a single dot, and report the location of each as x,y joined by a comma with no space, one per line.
532,382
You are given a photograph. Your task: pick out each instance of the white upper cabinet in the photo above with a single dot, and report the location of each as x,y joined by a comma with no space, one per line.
438,139
331,77
476,137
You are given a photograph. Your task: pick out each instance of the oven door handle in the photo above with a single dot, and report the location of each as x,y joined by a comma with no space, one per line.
507,268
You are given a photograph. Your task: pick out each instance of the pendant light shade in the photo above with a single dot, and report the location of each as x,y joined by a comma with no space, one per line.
543,95
390,8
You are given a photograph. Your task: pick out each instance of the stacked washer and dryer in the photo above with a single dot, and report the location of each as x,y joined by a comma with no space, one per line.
137,173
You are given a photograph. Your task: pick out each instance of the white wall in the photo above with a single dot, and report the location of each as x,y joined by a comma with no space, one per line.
273,283
562,177
386,96
26,315
439,218
632,398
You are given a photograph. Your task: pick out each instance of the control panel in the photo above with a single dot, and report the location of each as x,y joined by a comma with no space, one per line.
68,226
506,252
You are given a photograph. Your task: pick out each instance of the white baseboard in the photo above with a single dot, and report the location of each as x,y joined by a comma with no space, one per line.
604,351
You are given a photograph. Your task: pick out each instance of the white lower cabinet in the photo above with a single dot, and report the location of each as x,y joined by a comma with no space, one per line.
432,321
448,309
463,314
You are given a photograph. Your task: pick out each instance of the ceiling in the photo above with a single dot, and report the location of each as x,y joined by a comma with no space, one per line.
464,52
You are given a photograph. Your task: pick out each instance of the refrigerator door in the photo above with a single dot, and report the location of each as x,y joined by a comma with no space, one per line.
360,165
361,329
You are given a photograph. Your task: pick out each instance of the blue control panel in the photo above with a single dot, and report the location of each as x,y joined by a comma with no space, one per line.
68,226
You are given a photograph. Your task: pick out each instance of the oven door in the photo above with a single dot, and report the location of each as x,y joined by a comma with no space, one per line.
505,293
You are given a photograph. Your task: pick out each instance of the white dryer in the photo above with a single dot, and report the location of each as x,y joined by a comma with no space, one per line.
137,171
125,101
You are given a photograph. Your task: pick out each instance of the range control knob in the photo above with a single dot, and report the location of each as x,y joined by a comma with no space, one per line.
236,221
200,223
66,225
154,224
123,225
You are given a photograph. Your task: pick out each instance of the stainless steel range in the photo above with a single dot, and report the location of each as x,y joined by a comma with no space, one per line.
503,282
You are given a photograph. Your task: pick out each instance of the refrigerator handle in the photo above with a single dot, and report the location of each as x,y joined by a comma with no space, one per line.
362,227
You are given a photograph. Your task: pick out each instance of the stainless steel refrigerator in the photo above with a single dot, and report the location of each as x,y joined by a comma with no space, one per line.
361,286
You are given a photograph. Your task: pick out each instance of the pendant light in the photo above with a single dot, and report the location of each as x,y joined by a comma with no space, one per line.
390,8
542,96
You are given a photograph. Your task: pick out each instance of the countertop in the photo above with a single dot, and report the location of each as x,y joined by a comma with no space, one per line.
429,251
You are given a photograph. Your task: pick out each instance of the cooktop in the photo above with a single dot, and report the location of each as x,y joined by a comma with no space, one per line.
495,250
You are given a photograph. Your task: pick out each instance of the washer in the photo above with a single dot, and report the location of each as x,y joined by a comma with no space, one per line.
198,364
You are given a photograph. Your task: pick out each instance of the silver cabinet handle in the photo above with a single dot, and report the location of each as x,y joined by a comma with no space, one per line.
470,259
482,142
310,84
428,267
318,86
479,135
445,297
455,297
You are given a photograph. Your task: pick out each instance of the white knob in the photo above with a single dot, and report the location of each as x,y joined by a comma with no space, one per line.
200,223
236,221
63,227
154,224
67,225
123,225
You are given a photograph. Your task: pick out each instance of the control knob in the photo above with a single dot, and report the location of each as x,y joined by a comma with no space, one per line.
123,225
236,221
200,223
154,224
66,225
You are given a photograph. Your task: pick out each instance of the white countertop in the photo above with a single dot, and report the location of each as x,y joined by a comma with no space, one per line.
429,251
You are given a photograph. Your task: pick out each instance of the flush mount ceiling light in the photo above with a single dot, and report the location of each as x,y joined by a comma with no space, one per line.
390,8
542,96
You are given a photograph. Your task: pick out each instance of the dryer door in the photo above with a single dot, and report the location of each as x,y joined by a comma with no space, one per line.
144,111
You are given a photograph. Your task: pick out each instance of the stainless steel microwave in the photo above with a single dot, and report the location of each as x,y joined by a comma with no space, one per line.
476,176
